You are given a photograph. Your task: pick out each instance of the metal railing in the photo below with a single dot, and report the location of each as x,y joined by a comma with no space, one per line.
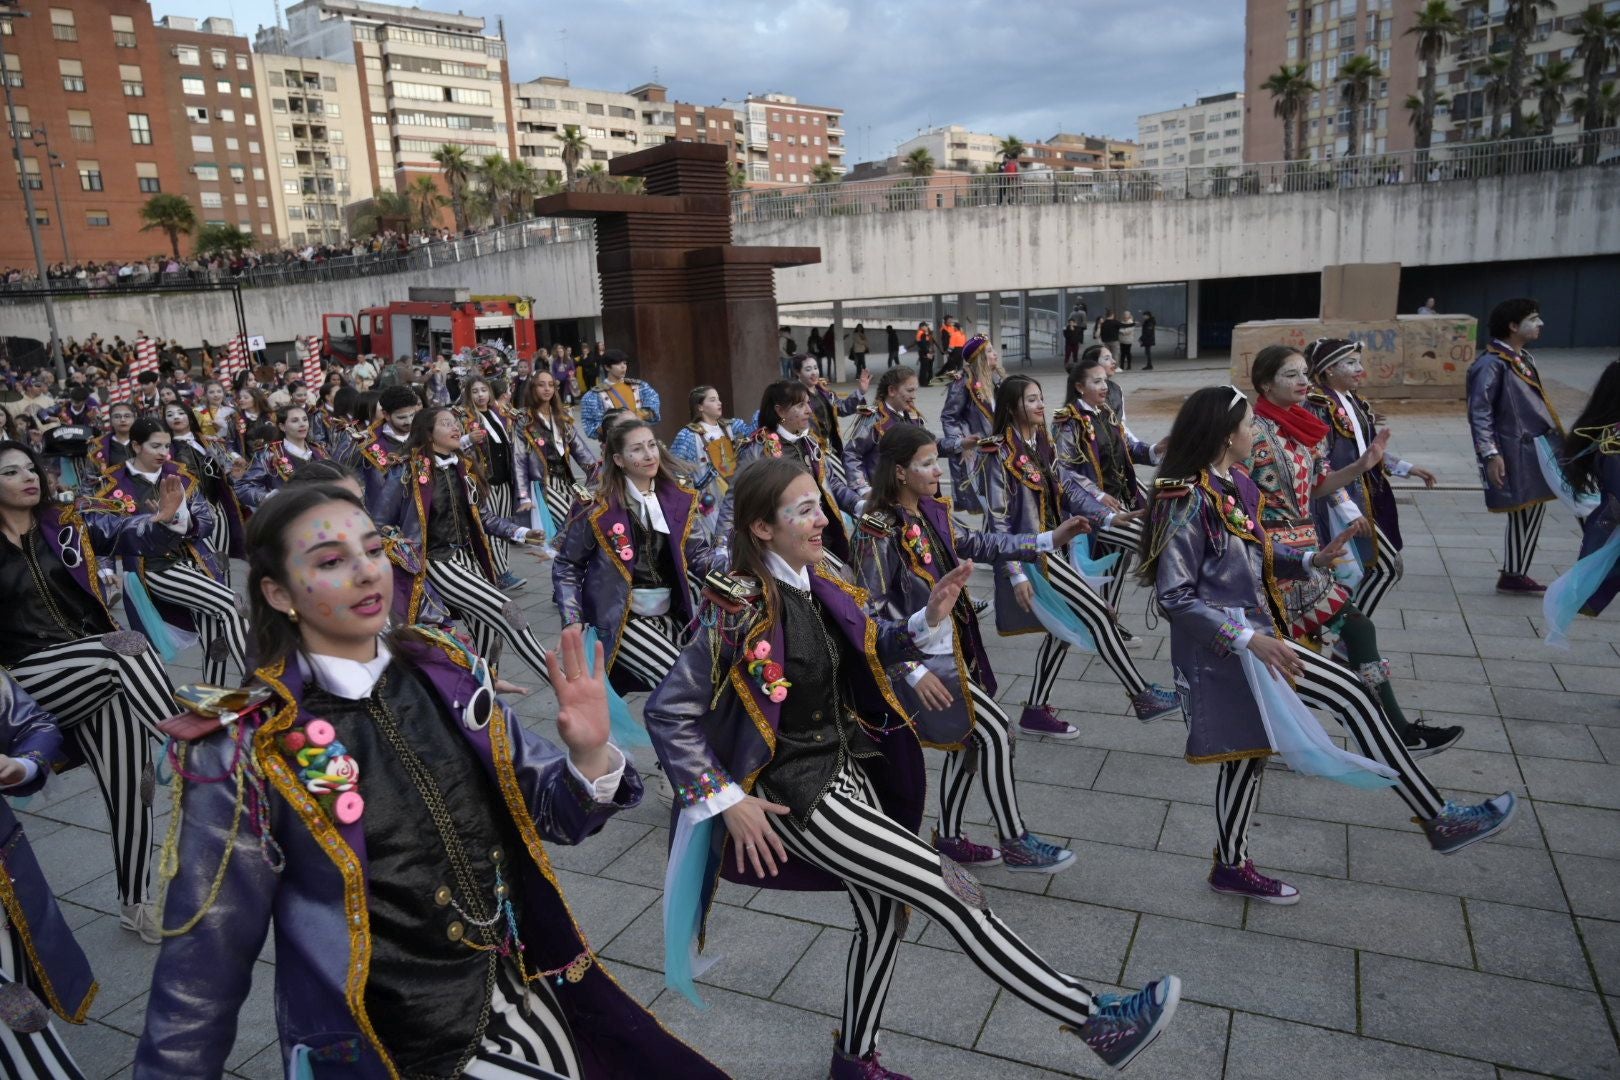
1446,162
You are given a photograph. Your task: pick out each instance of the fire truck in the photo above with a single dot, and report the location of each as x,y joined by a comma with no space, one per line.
434,320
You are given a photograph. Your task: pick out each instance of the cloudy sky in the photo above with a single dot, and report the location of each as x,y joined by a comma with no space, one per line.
1025,67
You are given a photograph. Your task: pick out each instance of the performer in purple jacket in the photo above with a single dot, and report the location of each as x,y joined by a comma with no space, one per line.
780,721
387,814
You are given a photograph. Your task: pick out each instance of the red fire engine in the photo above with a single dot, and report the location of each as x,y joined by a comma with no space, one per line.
436,320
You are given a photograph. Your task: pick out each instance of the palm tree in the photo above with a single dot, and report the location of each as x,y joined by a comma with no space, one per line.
596,179
522,185
1520,22
1550,84
1498,93
737,176
1011,148
221,238
1605,110
457,169
1290,89
171,214
824,173
1358,74
425,201
384,210
574,149
492,174
919,163
1598,46
1436,24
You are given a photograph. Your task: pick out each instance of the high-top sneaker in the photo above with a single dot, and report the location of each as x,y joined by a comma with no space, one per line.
1043,720
849,1067
1458,825
962,850
1243,879
1124,1025
1155,702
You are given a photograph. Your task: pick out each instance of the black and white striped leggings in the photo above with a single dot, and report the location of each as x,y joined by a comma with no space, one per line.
887,868
527,1037
489,615
213,608
649,646
1332,686
1522,534
220,539
1127,538
559,495
1091,609
993,743
42,1054
500,504
1380,577
108,694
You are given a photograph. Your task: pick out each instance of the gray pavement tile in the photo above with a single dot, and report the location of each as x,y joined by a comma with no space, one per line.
1291,795
1489,871
1452,669
1528,943
1278,843
643,863
1436,1007
1582,830
1153,881
97,1049
1589,680
1580,782
1528,673
100,894
1060,764
1357,915
936,994
1479,732
1165,738
76,916
1571,741
1491,647
602,907
1602,941
1265,1048
938,1061
1474,770
1156,777
87,811
1193,1047
73,857
1608,740
36,828
823,908
754,951
1426,641
749,1037
1593,884
1457,697
1092,815
597,851
1082,940
1557,705
1509,626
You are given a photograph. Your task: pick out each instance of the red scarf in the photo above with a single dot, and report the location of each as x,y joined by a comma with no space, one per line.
1296,421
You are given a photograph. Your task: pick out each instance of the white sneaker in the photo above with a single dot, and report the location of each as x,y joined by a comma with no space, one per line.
143,919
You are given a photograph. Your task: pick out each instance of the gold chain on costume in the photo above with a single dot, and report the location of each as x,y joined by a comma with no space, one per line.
39,584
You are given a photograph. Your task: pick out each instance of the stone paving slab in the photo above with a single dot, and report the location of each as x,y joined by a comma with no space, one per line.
1397,963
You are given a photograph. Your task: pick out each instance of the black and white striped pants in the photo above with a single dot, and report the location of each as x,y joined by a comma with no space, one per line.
500,504
1091,609
41,1055
1522,534
887,868
213,608
1127,538
490,616
993,744
109,702
1380,577
220,539
648,648
527,1037
559,496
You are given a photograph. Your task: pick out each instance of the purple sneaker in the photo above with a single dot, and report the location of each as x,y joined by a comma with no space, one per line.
1458,826
1043,720
1124,1026
1245,880
1155,702
962,850
1519,585
848,1067
1029,854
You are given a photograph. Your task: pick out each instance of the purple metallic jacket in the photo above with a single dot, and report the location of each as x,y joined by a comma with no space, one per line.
271,469
404,500
1599,525
711,722
861,451
1074,434
531,463
591,583
60,971
837,497
1206,566
890,565
1507,410
116,489
969,410
318,900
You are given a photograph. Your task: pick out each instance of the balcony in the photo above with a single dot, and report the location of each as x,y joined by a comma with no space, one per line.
835,151
835,131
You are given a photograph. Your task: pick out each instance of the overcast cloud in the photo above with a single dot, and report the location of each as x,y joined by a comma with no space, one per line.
1012,67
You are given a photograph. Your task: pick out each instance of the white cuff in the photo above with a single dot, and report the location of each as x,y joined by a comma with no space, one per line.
521,533
1017,577
30,770
1043,542
915,673
1401,468
604,787
932,640
1241,644
182,520
718,803
1348,507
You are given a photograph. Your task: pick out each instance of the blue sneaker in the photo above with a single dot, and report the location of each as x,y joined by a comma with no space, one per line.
1155,702
510,582
1458,826
1029,854
1124,1026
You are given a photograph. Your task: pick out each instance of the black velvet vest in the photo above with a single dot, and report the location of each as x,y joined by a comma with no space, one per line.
449,519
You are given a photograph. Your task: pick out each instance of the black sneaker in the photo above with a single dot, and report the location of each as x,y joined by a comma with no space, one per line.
980,606
1131,640
1425,740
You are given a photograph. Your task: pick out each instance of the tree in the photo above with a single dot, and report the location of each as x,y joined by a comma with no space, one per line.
1550,84
737,176
385,210
1436,25
824,173
425,201
1597,46
493,178
595,179
1520,23
1291,91
1358,75
222,239
1011,149
457,169
1605,110
171,214
1498,92
574,149
919,163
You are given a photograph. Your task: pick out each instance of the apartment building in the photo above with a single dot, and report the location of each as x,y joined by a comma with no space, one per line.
89,87
1209,132
1115,153
318,139
712,124
955,148
426,78
214,114
784,140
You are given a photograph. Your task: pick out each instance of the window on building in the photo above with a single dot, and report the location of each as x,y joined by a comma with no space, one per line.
202,144
146,177
97,219
686,121
231,143
187,55
240,199
223,86
90,176
62,25
72,75
30,173
123,28
197,114
596,133
238,174
130,76
140,129
289,187
219,58
262,201
227,116
207,172
211,200
193,87
241,62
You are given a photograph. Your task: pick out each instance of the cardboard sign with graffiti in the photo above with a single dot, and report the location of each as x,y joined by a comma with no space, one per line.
1411,356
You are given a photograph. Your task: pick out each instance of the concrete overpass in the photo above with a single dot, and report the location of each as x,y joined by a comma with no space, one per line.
1007,249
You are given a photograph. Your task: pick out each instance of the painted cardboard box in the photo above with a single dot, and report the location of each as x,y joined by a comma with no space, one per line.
1411,356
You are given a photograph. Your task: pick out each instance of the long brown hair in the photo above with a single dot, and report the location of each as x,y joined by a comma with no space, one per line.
554,409
275,637
612,480
756,495
466,401
896,450
421,441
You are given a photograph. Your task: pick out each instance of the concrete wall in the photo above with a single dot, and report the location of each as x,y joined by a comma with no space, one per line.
1552,215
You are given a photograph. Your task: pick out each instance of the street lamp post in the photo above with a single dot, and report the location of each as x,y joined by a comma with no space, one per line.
54,161
9,11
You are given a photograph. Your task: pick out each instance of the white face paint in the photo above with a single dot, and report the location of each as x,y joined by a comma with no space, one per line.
1530,328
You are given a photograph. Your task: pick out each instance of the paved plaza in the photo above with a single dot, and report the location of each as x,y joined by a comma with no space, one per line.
1500,962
